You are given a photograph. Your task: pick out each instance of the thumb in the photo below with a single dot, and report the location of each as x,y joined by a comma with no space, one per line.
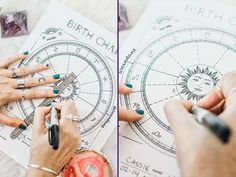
180,119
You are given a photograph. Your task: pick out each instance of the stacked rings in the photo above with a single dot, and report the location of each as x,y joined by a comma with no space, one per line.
20,83
71,117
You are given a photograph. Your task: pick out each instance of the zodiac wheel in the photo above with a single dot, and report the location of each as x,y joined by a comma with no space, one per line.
92,90
185,64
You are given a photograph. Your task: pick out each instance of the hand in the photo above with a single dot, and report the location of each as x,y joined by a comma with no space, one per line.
41,152
9,91
128,115
199,152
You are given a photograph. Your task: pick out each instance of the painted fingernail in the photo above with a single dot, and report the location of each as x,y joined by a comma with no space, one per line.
26,53
129,85
56,91
203,100
49,104
22,126
47,65
140,111
56,76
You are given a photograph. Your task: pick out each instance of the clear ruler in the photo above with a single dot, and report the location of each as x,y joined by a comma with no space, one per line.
29,120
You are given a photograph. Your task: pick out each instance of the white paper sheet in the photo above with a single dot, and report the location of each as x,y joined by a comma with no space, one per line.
70,42
178,50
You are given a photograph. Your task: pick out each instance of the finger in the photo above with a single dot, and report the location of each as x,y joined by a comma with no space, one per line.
40,115
129,115
228,89
218,108
179,118
67,108
12,121
6,63
229,113
30,94
29,70
32,82
125,89
212,99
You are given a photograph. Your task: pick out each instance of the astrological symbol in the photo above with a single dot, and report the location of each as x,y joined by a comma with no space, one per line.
78,50
55,49
96,60
136,77
94,118
104,101
157,134
104,78
85,142
174,90
136,106
38,60
150,53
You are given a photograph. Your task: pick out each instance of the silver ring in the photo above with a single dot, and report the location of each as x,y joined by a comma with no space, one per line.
20,83
71,117
22,95
76,119
14,75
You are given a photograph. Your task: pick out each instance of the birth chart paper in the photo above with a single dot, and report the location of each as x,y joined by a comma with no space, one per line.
72,45
178,50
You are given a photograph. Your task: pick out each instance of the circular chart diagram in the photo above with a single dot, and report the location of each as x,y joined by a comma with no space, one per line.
92,90
184,64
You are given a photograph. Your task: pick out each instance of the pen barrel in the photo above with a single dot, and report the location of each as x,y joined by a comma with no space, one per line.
54,140
217,126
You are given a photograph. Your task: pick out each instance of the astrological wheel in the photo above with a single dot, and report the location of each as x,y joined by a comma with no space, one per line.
93,88
184,65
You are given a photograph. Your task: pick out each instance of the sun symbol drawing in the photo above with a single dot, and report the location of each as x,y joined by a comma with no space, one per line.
196,81
71,92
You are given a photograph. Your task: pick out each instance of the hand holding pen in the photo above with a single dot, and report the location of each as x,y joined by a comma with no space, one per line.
42,154
54,130
200,152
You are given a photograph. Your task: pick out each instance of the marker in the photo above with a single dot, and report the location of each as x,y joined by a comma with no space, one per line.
53,131
216,125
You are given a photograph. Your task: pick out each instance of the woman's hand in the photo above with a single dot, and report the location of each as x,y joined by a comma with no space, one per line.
128,115
41,152
199,152
10,84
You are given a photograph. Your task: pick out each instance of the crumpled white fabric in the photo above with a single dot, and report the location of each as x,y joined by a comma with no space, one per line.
102,12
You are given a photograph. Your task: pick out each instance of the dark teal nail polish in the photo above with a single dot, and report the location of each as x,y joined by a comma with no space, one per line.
55,91
49,104
140,111
22,126
128,85
26,53
56,76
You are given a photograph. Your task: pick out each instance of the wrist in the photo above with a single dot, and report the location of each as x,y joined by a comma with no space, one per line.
33,172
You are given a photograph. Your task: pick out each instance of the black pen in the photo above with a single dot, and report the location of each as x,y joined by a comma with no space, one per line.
53,131
216,125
